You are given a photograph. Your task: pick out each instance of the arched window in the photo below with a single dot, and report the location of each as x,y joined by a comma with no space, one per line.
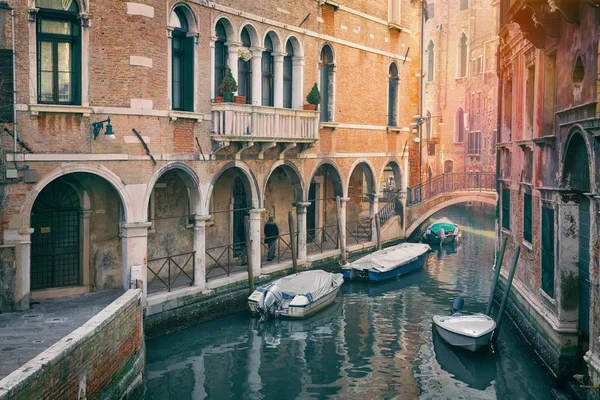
268,89
288,75
393,82
59,52
428,125
326,68
448,166
578,71
220,56
245,70
182,76
459,126
462,53
430,60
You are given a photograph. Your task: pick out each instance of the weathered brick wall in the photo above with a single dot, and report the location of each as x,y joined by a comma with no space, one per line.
7,278
102,359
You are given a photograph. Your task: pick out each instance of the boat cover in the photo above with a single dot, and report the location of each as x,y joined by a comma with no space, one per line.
444,223
390,258
313,283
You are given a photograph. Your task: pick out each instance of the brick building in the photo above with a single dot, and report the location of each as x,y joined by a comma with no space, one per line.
129,167
548,177
460,87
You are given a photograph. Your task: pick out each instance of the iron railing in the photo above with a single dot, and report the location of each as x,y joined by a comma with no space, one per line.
174,267
283,247
322,238
359,231
224,258
456,181
387,211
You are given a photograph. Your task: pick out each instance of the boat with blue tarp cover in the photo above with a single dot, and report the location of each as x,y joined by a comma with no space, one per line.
442,231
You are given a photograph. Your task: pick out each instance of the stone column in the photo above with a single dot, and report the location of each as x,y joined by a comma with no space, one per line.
257,75
135,255
567,240
298,82
301,218
21,239
232,59
213,89
373,209
278,79
341,215
255,229
200,249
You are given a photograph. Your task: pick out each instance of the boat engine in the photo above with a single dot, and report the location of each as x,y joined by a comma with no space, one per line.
270,303
458,304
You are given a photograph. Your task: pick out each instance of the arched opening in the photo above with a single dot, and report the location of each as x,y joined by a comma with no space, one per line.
321,214
463,54
578,71
283,190
230,202
245,67
391,180
576,178
221,54
268,72
360,208
430,60
448,166
393,82
326,70
459,126
288,75
171,208
76,242
182,61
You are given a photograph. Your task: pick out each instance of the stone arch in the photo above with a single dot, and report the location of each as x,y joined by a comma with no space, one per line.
189,15
448,166
81,4
368,170
101,171
327,50
250,184
293,175
189,178
338,185
482,198
576,139
396,170
275,39
296,44
227,24
253,32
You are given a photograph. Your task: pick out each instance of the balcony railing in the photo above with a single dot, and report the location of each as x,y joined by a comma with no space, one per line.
242,122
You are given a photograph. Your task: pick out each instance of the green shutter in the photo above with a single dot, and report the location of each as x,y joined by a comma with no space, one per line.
527,218
548,251
188,74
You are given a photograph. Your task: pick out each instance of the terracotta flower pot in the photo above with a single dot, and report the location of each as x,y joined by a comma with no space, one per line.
219,99
310,107
239,99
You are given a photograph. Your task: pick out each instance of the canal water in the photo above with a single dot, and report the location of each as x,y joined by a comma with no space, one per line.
376,341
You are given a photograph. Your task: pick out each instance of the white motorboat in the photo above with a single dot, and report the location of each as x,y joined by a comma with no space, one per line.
295,296
470,332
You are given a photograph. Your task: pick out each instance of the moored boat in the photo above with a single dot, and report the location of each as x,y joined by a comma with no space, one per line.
442,231
295,296
387,263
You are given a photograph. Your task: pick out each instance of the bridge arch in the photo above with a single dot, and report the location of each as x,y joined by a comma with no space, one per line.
454,198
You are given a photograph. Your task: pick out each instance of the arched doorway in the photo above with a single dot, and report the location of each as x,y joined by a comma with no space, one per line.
361,202
56,238
321,214
576,178
283,191
448,166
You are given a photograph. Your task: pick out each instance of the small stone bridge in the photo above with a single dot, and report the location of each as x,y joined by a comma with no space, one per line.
431,196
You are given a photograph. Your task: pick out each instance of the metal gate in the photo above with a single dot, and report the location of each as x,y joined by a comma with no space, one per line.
240,210
584,266
55,249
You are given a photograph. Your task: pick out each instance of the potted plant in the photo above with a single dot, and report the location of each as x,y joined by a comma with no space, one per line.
228,86
313,98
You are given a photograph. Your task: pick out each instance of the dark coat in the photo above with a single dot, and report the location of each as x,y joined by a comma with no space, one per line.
271,231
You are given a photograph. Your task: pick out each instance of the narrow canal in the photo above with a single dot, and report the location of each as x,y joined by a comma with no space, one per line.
376,341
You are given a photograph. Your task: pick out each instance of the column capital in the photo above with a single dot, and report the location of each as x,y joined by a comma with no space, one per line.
303,204
278,56
135,229
256,50
202,218
17,236
344,199
232,45
255,213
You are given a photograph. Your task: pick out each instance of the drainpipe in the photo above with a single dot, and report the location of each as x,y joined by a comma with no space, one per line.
14,56
421,95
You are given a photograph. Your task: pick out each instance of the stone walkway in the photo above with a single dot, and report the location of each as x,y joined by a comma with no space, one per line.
24,335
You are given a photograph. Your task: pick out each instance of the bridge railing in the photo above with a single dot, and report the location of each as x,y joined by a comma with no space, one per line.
452,182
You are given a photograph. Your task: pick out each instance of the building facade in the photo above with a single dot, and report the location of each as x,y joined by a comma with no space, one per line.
123,160
548,177
459,110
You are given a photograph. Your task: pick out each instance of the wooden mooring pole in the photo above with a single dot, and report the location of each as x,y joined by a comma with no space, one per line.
499,259
293,244
378,231
249,253
511,275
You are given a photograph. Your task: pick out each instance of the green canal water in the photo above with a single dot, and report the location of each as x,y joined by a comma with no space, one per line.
375,341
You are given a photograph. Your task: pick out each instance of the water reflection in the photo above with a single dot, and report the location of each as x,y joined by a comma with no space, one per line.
376,341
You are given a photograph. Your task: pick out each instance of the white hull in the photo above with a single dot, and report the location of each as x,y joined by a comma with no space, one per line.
470,332
296,311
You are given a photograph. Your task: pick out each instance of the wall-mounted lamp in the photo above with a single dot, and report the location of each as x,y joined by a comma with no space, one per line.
108,134
422,120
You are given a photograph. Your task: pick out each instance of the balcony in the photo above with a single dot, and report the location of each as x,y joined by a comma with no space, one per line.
247,124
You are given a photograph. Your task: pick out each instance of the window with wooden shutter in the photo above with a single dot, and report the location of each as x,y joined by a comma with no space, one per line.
506,209
527,222
547,234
